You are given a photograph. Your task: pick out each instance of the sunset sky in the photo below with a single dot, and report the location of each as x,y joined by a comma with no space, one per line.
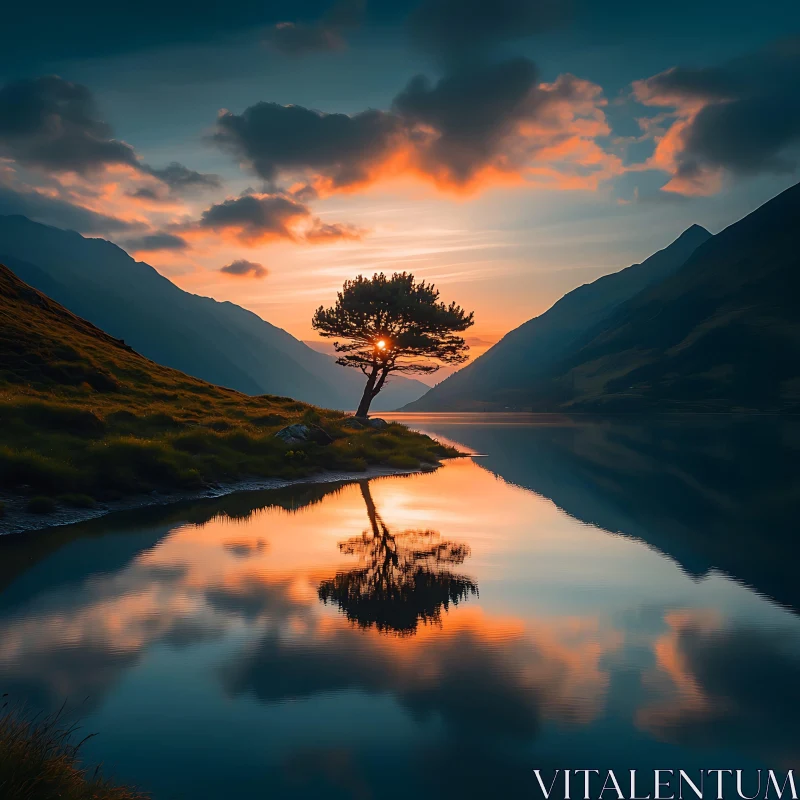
508,150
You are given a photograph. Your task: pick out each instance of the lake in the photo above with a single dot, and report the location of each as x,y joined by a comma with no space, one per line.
577,594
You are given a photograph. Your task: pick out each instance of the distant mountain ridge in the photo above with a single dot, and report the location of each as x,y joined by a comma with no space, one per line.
219,342
721,334
529,351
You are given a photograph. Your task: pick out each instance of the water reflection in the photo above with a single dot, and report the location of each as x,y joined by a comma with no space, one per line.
313,661
403,578
717,683
709,492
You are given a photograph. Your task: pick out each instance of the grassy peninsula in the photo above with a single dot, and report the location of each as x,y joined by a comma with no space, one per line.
85,419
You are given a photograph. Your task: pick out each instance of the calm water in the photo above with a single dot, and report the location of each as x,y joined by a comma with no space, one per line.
579,595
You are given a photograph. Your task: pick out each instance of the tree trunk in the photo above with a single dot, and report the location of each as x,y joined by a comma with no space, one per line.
366,398
371,389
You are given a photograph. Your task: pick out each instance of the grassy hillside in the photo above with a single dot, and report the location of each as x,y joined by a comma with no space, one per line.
218,342
521,357
85,418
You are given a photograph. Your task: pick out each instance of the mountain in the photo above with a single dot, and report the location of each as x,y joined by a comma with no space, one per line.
221,343
500,375
721,334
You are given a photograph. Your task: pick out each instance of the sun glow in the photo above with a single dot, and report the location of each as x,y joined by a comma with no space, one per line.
381,345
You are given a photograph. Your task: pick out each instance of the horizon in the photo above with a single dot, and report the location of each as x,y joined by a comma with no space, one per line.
508,163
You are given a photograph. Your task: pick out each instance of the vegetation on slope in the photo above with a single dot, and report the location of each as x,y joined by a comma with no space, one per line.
39,760
85,418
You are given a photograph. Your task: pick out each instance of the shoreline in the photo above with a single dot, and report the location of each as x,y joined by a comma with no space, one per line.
16,520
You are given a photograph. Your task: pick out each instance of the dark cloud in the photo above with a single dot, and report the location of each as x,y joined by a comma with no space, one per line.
458,29
245,269
490,115
54,125
181,179
51,123
62,214
323,35
156,241
681,83
499,117
44,33
275,138
255,217
742,117
470,111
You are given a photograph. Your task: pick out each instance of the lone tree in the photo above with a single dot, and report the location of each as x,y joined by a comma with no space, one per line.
392,325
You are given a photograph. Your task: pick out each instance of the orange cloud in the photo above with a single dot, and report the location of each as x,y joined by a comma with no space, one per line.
670,142
254,219
686,699
493,124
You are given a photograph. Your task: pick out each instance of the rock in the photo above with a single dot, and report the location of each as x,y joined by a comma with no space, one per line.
354,423
301,433
377,423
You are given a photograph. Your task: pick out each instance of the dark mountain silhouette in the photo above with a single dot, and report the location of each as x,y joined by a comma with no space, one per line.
721,334
219,342
527,352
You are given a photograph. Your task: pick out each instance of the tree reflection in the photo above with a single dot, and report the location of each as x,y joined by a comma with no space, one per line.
402,579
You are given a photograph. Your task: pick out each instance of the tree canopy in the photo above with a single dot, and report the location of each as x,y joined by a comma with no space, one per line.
395,324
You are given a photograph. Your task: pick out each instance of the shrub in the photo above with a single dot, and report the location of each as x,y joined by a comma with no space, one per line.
219,425
138,464
61,417
197,442
40,504
161,420
27,467
311,417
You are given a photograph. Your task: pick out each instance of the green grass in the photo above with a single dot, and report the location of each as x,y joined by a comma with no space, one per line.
39,760
84,419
